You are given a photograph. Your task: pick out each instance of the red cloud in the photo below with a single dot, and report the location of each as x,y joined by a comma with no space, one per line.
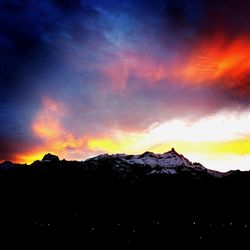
218,60
132,64
211,61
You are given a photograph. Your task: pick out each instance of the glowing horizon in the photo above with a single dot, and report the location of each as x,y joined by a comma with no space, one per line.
217,141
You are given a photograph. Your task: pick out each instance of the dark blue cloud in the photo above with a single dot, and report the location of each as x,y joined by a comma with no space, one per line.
32,34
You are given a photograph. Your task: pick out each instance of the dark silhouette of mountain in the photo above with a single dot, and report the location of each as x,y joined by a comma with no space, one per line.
159,201
50,157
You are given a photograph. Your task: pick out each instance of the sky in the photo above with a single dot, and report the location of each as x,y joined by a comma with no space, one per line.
82,78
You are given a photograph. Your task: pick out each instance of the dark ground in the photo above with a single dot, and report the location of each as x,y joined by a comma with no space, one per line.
67,204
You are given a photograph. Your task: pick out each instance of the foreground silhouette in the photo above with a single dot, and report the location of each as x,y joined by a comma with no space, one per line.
124,201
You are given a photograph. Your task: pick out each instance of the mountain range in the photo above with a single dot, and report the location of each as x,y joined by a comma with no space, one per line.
124,202
170,162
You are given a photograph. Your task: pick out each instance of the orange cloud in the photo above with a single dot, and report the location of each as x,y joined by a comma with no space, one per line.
47,121
218,59
55,138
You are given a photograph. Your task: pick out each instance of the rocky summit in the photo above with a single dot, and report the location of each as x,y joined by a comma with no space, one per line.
50,157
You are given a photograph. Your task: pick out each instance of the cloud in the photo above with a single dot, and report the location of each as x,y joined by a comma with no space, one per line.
219,61
75,75
48,127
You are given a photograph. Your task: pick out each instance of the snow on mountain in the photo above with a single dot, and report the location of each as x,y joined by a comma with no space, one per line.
169,162
147,163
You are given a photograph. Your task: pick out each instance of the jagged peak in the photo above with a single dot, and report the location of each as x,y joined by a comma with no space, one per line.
173,151
50,157
147,153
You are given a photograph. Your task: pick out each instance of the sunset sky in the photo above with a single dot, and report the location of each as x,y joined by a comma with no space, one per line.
81,78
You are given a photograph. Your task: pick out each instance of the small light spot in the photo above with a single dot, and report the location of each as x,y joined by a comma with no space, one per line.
194,223
156,222
200,237
231,223
245,226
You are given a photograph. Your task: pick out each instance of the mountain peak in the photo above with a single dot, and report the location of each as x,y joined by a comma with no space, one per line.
173,150
50,157
6,164
147,153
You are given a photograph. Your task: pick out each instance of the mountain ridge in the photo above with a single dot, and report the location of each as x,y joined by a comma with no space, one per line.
125,200
169,162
